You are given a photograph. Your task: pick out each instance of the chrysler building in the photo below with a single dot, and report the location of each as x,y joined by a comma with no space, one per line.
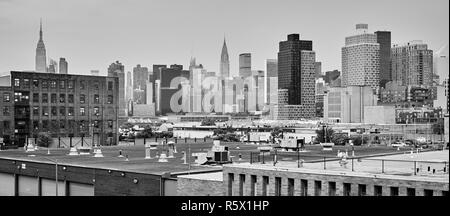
224,61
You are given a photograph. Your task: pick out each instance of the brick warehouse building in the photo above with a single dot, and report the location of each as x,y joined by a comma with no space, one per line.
65,105
6,114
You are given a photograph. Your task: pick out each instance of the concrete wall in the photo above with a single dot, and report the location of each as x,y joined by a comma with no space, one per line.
379,115
314,178
199,187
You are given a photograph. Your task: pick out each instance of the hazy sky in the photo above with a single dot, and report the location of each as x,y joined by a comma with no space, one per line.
91,34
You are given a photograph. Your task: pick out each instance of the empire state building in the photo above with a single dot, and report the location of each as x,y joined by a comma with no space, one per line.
41,59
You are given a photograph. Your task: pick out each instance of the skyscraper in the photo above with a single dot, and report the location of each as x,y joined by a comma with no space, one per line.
245,65
296,82
224,61
412,64
140,78
271,81
41,56
52,66
318,69
116,69
361,59
63,66
384,39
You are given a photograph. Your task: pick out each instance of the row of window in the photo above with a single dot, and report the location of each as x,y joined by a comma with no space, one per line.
62,111
347,188
71,124
70,98
53,84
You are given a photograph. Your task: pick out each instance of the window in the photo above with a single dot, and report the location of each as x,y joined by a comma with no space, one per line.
82,111
54,125
6,97
53,98
62,124
44,98
70,112
377,190
82,98
230,184
394,191
252,184
45,124
35,83
317,188
277,186
6,111
16,82
304,187
331,188
44,84
96,111
362,190
110,86
21,97
96,85
110,124
241,184
70,98
110,99
82,85
70,84
62,84
96,99
54,111
6,125
347,189
427,192
62,98
62,111
36,111
291,187
96,124
264,185
26,83
53,84
44,111
35,97
36,125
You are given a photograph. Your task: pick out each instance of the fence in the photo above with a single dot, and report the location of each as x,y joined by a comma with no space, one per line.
68,142
354,164
142,141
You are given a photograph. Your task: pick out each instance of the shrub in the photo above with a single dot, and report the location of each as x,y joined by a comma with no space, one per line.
44,139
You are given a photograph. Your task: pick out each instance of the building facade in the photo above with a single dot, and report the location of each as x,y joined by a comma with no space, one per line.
245,65
65,106
384,39
361,59
63,66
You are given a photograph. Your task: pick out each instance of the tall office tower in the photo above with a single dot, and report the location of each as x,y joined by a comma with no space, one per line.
63,66
129,93
245,65
271,85
156,84
95,72
41,56
140,78
318,69
361,59
116,69
412,64
224,61
440,64
384,39
296,81
52,66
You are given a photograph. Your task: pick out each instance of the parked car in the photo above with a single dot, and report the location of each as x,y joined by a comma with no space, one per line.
399,144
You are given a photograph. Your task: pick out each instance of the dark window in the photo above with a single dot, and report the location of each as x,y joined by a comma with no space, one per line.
428,192
82,111
291,187
362,190
54,125
53,98
110,86
36,97
36,111
252,183
45,111
62,84
45,124
96,99
36,125
96,111
62,111
317,188
277,186
264,185
230,184
6,125
44,98
54,111
331,188
62,124
394,191
110,99
26,83
304,187
70,111
347,189
62,98
6,111
6,97
377,190
82,98
70,98
82,85
110,124
96,85
36,83
241,184
70,84
44,84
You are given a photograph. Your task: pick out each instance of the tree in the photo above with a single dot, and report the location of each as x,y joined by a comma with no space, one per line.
44,139
208,122
146,133
339,139
357,140
438,127
276,132
321,134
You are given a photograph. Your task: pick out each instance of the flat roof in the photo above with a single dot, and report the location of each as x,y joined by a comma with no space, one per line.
136,160
212,176
400,167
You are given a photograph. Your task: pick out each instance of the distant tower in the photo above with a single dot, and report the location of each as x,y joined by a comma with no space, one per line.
63,66
224,61
41,58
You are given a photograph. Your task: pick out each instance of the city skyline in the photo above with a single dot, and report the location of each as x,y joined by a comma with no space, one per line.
92,40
